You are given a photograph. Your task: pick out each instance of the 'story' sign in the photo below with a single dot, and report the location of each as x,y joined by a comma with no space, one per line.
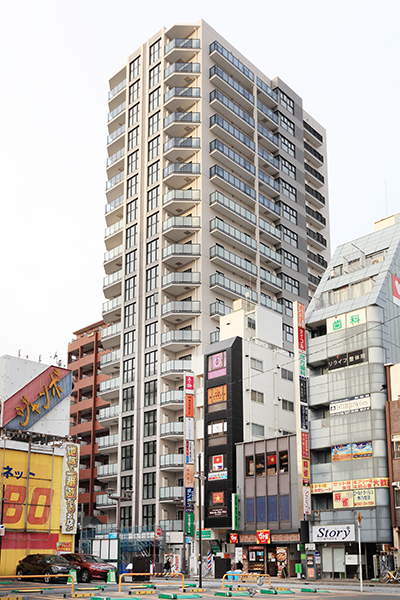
333,533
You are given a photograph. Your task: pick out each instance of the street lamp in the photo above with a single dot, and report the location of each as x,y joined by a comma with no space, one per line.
119,499
201,477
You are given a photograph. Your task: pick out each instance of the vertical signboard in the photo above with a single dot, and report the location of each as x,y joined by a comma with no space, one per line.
189,453
70,480
235,512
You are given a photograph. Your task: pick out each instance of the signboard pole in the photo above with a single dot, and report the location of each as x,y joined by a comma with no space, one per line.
200,518
359,550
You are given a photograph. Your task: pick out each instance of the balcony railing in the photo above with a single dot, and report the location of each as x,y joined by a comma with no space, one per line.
181,195
232,286
181,337
110,331
265,226
233,259
114,180
112,304
267,134
270,278
269,253
182,249
181,222
116,111
177,306
111,357
232,155
182,117
314,172
316,236
269,204
182,142
172,397
232,130
269,303
214,337
268,180
184,92
268,157
189,43
104,500
235,182
217,308
314,193
107,441
171,428
171,460
317,258
111,254
109,411
315,215
313,151
238,209
315,133
216,70
182,169
265,88
114,157
314,280
181,278
114,203
217,47
171,525
182,68
109,384
235,108
267,111
113,228
118,88
113,278
178,366
171,493
104,470
233,233
113,136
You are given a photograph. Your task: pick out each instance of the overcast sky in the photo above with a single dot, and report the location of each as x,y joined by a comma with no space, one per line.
341,57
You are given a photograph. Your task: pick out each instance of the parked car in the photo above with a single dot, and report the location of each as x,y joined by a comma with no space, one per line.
46,564
91,567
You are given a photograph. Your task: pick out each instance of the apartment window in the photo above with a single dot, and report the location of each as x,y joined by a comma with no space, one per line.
288,213
132,186
288,190
130,262
287,306
152,306
134,91
289,236
149,454
154,148
126,483
288,405
287,124
152,251
155,51
127,428
134,68
251,323
152,198
126,458
260,471
257,429
256,364
150,392
286,374
150,423
288,168
133,161
283,462
128,399
131,211
287,146
130,288
129,370
130,315
286,102
152,278
133,115
249,466
154,99
287,332
290,260
151,331
149,485
152,225
154,76
131,236
153,173
257,396
129,342
149,515
290,284
154,123
150,363
133,138
126,517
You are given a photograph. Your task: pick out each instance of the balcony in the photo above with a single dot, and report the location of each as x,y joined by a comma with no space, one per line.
214,337
271,233
267,116
178,312
317,239
231,87
112,284
217,309
181,98
113,235
270,141
232,111
180,282
227,60
269,208
177,175
179,124
312,155
177,255
228,233
171,493
105,502
108,442
178,201
233,185
114,210
171,525
178,228
268,95
109,363
232,160
313,280
172,430
181,73
231,288
109,414
181,48
173,399
268,162
269,256
231,209
107,471
270,281
271,186
271,304
172,462
174,369
109,389
318,261
233,262
314,176
115,134
110,336
232,135
177,340
113,259
117,111
177,149
317,220
315,137
115,158
117,89
315,197
112,310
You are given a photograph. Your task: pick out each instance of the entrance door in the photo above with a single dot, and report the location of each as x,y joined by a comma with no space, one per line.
338,562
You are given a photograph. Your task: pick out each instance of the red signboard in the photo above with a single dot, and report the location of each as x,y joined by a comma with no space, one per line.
301,322
306,471
302,339
263,536
189,405
305,445
233,538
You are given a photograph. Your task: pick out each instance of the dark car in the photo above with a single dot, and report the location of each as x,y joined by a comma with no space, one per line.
91,567
45,564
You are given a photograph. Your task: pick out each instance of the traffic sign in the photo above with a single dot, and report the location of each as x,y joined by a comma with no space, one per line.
158,532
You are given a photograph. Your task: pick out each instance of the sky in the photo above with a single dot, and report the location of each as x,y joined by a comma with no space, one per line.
341,57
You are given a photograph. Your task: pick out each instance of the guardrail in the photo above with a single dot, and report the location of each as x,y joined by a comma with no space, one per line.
42,576
257,577
169,582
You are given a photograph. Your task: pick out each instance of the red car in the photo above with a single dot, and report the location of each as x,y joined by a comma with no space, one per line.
91,567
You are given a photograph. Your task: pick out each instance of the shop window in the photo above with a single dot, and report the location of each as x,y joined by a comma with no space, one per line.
283,462
249,510
260,465
397,498
216,398
272,509
271,464
285,508
249,466
261,506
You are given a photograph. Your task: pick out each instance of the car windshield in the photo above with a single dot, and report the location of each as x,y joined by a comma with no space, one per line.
93,559
52,560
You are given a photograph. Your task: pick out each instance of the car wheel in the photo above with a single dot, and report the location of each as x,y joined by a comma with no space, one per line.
85,577
46,577
19,572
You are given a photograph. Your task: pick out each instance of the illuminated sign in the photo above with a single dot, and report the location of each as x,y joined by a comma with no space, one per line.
69,506
217,365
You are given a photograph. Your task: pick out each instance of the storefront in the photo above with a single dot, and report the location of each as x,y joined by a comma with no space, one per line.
277,557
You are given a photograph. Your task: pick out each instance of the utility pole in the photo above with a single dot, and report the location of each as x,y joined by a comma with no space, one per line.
199,475
359,550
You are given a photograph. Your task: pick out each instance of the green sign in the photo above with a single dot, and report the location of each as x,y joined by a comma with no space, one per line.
189,524
302,358
205,534
336,325
214,546
235,512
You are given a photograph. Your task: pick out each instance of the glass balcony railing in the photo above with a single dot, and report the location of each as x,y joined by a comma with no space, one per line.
173,427
270,278
234,287
217,47
267,111
171,524
181,222
232,130
113,278
265,226
109,358
114,157
112,304
214,337
269,303
172,397
182,142
232,155
265,88
111,254
109,384
237,183
267,134
182,117
269,253
113,228
109,412
182,169
217,308
113,136
171,493
176,366
235,108
171,460
233,259
181,195
110,331
233,233
238,209
180,307
216,70
269,204
114,203
268,180
189,43
108,440
180,337
104,500
182,249
114,180
184,92
268,157
118,88
116,111
182,68
104,470
180,278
